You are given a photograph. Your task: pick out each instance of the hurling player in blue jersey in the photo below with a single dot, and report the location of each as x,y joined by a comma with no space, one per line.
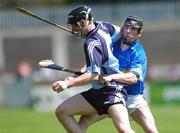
100,99
133,64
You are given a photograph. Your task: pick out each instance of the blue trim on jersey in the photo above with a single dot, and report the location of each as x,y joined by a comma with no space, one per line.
113,30
98,52
134,60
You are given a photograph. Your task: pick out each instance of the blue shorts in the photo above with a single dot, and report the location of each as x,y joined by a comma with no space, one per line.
102,98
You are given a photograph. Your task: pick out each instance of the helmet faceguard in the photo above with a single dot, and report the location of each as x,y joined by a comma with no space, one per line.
135,23
77,14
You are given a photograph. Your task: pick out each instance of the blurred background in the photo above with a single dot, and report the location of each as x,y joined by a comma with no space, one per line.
24,41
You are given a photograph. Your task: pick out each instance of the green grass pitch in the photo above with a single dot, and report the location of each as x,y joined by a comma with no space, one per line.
20,120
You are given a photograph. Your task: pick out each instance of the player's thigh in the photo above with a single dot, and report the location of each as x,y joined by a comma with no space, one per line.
143,116
76,105
119,113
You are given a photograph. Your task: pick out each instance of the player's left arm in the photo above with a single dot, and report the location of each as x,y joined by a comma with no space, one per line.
136,73
126,78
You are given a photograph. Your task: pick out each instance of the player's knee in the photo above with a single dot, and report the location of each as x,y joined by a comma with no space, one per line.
124,129
84,122
151,130
60,112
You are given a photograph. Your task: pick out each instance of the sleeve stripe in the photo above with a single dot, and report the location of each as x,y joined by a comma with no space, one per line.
91,47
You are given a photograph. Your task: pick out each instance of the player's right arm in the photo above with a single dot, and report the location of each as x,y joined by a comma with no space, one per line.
83,79
93,55
136,73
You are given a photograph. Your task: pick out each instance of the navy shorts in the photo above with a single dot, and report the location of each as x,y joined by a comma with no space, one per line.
102,98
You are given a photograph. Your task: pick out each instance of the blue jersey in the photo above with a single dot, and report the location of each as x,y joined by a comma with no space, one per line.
98,51
133,60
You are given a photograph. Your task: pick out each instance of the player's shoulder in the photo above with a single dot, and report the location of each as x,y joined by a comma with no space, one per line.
92,41
92,44
108,25
138,48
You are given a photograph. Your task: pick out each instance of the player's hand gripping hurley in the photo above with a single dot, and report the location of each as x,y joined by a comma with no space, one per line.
51,65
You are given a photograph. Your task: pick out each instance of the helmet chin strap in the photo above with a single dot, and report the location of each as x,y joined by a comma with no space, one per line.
83,29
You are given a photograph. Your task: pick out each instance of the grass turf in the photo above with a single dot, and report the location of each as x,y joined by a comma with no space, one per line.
23,120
